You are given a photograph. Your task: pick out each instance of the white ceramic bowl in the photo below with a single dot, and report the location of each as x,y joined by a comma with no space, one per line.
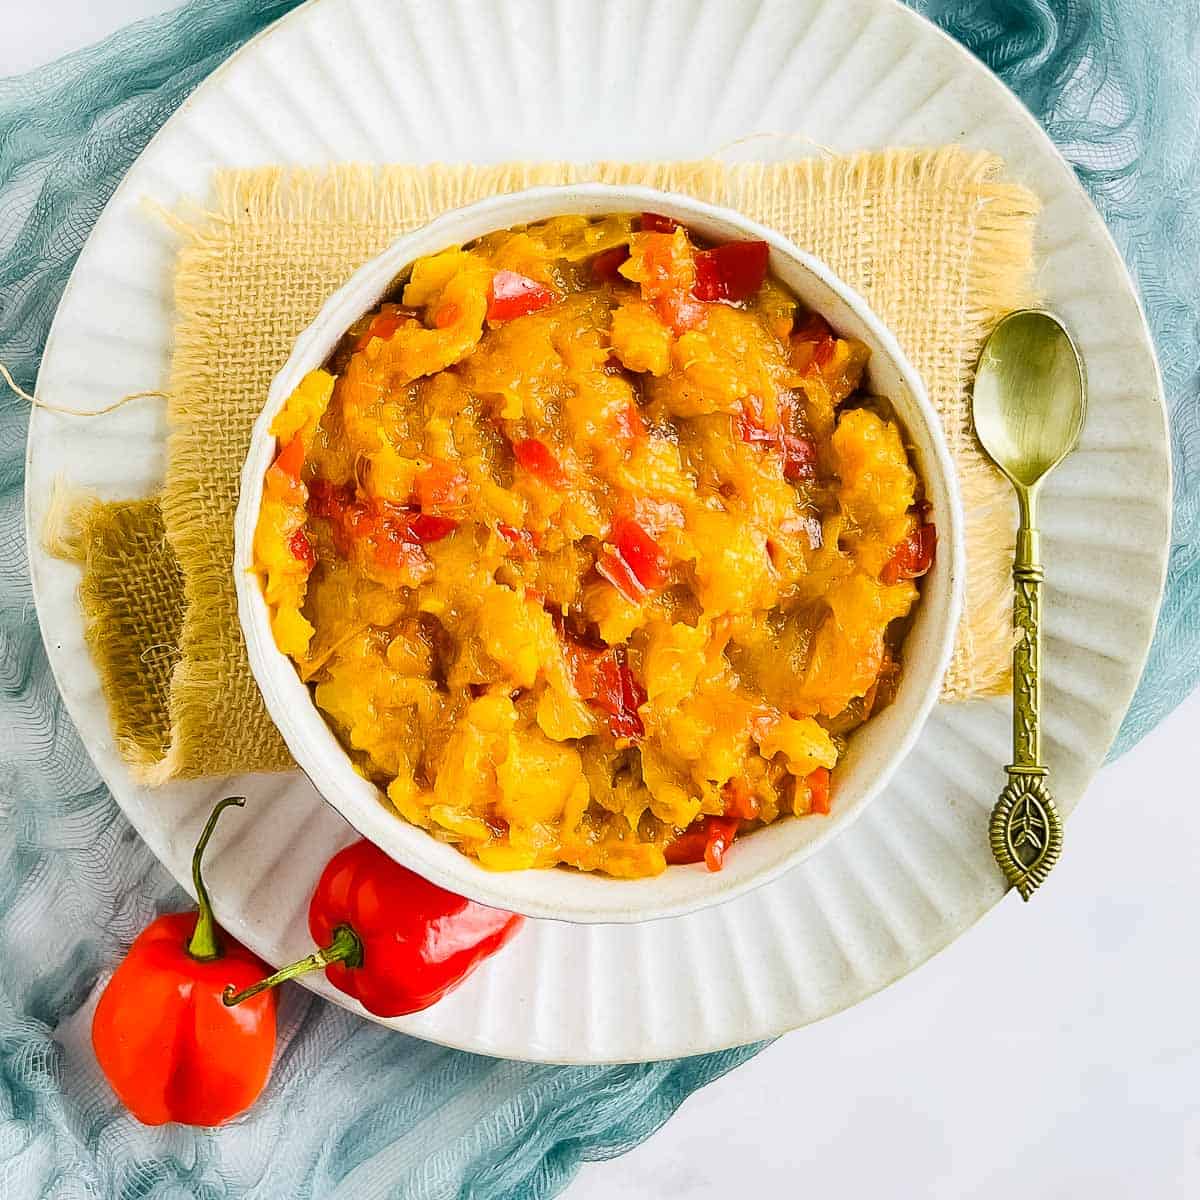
874,751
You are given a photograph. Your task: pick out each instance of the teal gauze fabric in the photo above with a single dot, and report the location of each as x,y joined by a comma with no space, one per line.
354,1110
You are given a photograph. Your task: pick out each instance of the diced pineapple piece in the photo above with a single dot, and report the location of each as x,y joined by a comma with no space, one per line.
292,631
536,778
304,408
672,661
640,340
563,717
803,744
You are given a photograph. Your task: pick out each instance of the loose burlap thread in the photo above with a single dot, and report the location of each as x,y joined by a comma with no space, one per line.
938,242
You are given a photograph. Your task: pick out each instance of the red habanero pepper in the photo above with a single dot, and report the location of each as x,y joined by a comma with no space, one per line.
513,295
169,1047
394,941
913,557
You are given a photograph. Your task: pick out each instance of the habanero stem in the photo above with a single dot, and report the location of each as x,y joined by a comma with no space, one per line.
346,947
204,945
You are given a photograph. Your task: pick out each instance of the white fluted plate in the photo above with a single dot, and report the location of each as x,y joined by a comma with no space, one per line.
485,81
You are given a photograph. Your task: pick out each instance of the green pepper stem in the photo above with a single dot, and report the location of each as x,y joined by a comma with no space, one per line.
346,947
204,944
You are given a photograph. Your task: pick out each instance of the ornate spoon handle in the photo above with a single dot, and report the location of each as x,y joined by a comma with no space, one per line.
1026,829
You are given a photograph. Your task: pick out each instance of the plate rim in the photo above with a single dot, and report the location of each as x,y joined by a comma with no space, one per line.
1162,441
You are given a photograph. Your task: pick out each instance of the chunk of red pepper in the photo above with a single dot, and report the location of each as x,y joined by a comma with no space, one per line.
799,457
656,223
641,553
536,458
688,847
740,801
619,694
439,487
612,567
387,530
606,679
391,534
426,528
705,840
798,453
734,271
818,790
667,278
327,499
751,429
384,325
813,343
721,832
302,549
913,557
512,295
606,266
522,541
290,459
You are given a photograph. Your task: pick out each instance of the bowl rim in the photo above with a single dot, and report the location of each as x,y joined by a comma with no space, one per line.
556,894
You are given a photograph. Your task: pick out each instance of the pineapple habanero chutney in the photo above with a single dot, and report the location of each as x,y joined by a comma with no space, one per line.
591,547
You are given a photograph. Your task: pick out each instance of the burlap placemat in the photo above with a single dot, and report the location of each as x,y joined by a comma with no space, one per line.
936,240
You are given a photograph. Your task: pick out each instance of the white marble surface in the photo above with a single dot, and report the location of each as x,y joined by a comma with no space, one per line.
1053,1052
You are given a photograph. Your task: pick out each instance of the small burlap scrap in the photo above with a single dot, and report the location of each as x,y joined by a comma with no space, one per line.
132,599
938,242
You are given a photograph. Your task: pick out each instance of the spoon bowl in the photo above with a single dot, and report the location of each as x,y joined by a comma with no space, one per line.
1029,402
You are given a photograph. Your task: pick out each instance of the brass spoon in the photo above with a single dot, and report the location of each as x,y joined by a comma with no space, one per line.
1028,406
